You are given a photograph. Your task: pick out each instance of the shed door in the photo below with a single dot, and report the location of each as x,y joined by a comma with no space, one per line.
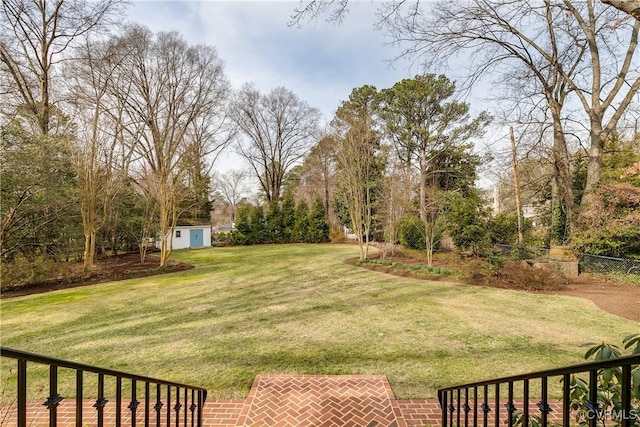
195,240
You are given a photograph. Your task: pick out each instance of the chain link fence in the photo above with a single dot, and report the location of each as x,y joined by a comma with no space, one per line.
587,263
603,264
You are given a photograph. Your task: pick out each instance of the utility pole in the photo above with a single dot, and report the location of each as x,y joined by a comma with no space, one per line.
516,182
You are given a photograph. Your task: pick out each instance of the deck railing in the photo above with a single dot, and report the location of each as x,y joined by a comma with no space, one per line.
590,394
165,403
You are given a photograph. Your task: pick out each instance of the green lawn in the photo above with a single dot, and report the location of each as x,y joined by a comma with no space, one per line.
299,309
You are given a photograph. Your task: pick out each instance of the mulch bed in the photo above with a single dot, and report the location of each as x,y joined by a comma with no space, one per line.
108,269
620,299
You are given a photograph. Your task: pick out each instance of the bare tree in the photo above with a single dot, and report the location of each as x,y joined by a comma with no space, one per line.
231,186
308,10
565,47
317,174
359,161
34,34
279,129
632,7
174,88
100,157
396,203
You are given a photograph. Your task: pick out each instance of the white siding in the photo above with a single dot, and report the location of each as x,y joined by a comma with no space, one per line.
182,237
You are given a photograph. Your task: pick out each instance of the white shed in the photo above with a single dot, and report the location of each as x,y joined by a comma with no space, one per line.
190,236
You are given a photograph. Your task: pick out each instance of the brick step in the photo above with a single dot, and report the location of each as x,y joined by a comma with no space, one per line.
321,400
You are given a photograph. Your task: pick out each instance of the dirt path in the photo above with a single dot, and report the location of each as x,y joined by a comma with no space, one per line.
617,298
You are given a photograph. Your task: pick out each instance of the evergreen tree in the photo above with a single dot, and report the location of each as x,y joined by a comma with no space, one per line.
274,223
301,225
288,215
318,231
242,233
258,226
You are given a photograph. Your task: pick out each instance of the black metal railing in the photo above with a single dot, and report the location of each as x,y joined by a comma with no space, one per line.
182,403
596,393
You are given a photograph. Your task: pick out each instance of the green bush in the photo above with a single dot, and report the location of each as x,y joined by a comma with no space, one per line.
467,223
503,228
619,241
411,233
609,385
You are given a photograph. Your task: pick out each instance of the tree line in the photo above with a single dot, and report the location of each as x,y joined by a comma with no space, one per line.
110,132
565,75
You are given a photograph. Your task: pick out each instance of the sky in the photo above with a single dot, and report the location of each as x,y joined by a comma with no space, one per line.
320,62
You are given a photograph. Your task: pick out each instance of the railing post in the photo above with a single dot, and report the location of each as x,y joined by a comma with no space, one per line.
177,407
592,403
133,406
626,415
510,406
485,407
168,406
497,406
458,408
525,403
101,401
22,393
54,398
442,397
475,406
147,413
158,405
466,407
118,401
566,400
543,405
451,408
186,400
79,394
193,408
202,397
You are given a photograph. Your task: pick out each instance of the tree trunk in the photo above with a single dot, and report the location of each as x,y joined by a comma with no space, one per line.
594,166
562,169
86,266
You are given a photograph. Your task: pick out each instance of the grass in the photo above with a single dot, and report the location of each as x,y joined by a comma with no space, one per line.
299,309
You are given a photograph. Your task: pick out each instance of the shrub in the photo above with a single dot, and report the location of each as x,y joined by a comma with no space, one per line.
22,272
467,223
520,275
620,241
503,228
610,385
411,233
